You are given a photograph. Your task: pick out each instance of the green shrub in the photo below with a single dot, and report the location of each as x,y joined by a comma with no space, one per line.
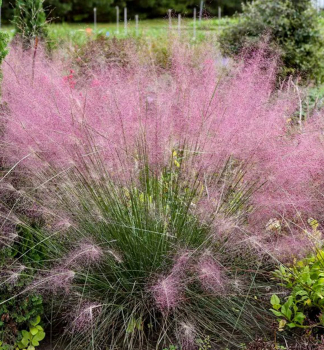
292,27
4,38
3,46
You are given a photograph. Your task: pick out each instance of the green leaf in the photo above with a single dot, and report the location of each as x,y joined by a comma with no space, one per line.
30,347
35,321
286,311
291,325
40,336
301,292
299,317
35,342
24,342
20,345
25,334
33,330
275,300
277,313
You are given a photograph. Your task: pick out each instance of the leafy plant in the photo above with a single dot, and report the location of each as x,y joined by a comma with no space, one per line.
292,26
305,279
27,340
288,311
16,313
31,338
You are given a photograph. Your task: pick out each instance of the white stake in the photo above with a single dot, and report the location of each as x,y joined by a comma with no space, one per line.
117,19
170,18
201,10
179,24
136,24
125,20
219,12
95,18
194,23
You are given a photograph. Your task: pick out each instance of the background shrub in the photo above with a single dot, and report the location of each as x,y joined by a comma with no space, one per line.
292,27
30,20
4,38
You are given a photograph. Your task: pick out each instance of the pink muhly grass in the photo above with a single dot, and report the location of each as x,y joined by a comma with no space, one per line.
211,274
116,255
56,125
181,263
85,317
56,280
12,276
85,254
167,292
187,335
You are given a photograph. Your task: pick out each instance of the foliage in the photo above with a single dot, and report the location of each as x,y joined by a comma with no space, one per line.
4,38
82,10
23,245
28,339
305,304
3,46
31,339
291,26
30,20
16,313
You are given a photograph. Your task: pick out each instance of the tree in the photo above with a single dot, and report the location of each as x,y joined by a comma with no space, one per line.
292,27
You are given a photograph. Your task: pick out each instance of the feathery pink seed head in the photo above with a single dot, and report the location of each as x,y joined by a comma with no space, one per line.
85,254
57,280
211,274
187,336
167,293
86,317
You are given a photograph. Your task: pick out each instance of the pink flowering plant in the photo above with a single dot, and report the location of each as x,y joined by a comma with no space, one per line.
167,196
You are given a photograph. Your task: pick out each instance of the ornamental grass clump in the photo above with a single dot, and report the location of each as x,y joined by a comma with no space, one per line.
156,188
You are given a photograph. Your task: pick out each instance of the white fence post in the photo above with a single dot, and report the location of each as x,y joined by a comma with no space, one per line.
117,19
179,24
95,18
125,20
136,24
201,10
194,23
